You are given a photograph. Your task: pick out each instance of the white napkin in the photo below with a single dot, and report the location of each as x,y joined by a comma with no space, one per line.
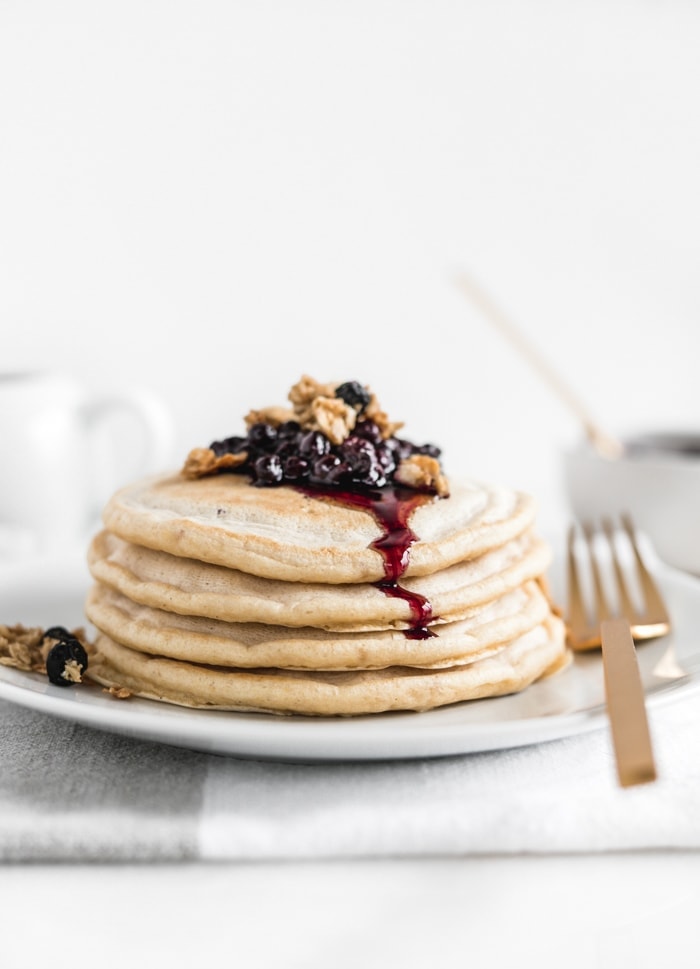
72,793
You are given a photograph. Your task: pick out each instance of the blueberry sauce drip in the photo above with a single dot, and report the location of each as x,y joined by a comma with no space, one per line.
391,508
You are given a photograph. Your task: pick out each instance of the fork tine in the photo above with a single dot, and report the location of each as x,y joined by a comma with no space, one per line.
647,621
577,611
581,634
602,606
655,619
627,607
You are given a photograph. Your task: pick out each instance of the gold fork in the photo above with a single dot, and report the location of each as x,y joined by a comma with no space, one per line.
615,629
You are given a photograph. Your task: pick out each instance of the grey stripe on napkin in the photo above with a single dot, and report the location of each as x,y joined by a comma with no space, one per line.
68,792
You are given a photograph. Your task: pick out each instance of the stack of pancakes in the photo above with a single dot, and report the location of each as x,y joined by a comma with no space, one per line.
212,593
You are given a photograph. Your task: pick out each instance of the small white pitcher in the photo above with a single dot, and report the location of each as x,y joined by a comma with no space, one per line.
59,448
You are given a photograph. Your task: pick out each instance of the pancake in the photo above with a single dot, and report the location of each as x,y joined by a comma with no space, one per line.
513,668
255,645
282,533
185,586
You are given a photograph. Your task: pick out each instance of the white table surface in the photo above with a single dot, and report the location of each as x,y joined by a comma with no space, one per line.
608,912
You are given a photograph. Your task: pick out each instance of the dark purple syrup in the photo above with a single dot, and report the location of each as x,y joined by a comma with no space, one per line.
391,507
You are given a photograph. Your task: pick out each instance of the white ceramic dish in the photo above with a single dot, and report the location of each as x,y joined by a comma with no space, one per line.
569,703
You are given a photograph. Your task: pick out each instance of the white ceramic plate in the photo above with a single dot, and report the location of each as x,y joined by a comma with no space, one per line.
571,702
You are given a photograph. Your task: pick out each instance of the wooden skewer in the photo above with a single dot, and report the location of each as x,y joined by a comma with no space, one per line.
604,443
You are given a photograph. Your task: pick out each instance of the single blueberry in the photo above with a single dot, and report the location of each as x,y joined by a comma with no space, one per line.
359,453
296,468
354,394
385,458
368,430
431,450
66,662
314,444
374,477
324,466
262,436
229,445
288,429
286,448
268,470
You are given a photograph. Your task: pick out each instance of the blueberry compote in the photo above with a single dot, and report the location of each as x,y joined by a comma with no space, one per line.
288,454
358,472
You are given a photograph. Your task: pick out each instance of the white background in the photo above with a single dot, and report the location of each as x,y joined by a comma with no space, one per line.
209,198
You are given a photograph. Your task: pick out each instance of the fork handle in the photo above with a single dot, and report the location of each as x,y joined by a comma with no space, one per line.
626,708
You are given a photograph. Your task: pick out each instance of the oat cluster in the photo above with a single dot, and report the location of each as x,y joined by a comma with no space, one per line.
23,648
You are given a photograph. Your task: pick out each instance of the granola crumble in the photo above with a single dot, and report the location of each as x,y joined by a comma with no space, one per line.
424,473
269,415
118,692
305,391
333,417
21,648
202,461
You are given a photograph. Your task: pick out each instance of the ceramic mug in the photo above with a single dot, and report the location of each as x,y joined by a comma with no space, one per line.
656,480
56,444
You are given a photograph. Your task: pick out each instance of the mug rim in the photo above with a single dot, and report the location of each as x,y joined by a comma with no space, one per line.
667,441
652,446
